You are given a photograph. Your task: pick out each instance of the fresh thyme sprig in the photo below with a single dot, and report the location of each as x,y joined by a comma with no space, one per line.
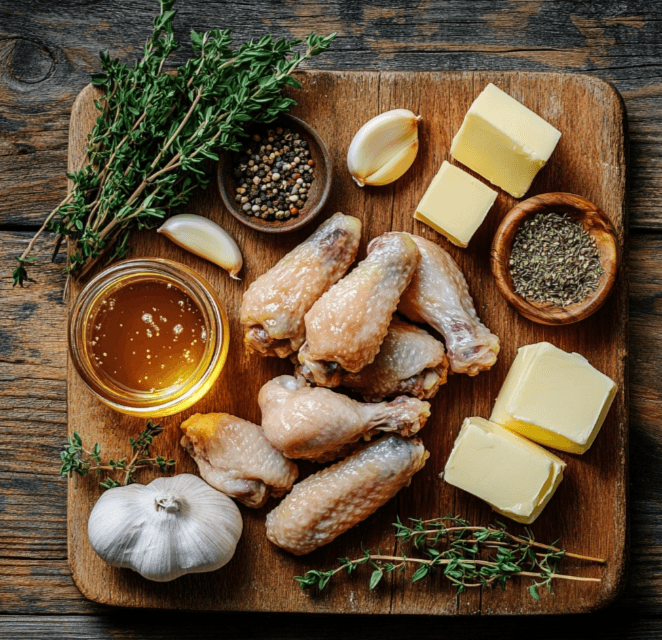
463,561
156,133
77,459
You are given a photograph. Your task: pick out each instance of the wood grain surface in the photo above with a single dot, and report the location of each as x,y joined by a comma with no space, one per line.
592,496
48,50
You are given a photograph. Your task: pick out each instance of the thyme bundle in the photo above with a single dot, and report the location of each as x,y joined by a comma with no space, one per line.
76,459
463,561
156,131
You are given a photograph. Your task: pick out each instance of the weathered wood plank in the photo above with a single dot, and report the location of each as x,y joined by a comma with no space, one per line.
47,53
32,587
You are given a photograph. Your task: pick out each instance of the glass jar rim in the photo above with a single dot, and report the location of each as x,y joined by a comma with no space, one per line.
190,282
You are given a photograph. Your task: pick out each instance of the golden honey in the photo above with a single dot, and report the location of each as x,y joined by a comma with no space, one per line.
148,337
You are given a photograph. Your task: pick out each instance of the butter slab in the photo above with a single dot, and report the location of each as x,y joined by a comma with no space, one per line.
504,141
554,398
455,204
515,476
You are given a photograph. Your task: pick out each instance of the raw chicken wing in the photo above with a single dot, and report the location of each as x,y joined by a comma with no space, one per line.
326,504
439,296
234,457
273,307
316,423
347,325
410,361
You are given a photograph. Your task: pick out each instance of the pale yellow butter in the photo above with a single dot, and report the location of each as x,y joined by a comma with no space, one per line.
504,141
455,204
555,398
515,476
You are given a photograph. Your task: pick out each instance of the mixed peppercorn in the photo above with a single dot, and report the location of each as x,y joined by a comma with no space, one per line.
274,175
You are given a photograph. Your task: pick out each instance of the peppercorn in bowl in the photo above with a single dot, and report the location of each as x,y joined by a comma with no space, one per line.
280,180
554,258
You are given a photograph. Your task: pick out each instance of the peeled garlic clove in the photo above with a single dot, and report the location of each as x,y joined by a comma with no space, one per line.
206,239
384,148
396,166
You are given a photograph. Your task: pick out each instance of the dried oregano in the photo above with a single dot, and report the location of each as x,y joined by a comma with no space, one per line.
554,260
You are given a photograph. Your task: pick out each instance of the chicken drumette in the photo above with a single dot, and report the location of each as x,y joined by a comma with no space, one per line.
438,295
274,305
318,424
347,325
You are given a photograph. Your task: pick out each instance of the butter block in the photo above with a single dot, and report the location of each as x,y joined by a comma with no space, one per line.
455,204
504,141
515,476
555,398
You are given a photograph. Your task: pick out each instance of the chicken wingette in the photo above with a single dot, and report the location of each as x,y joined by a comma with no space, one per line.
324,505
273,307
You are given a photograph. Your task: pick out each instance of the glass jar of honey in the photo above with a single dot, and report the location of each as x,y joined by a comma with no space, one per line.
148,337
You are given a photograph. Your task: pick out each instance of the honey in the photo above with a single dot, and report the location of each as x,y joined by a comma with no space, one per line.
147,336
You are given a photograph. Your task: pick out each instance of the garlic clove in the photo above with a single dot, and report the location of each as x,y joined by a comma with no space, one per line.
204,238
382,142
395,167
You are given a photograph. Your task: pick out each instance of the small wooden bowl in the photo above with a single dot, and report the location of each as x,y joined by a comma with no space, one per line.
317,196
593,219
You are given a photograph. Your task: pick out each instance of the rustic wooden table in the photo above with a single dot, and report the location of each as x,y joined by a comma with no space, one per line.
47,51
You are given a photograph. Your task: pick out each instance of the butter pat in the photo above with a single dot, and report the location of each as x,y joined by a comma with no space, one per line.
516,477
503,141
555,398
455,204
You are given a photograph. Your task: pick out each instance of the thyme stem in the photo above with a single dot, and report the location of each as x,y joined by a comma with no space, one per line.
484,563
76,459
463,561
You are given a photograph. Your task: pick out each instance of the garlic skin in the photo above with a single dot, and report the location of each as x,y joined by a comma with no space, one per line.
165,529
206,239
384,148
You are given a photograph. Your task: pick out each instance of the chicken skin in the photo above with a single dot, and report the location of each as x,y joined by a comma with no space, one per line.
347,325
438,295
318,424
234,457
410,361
326,504
273,307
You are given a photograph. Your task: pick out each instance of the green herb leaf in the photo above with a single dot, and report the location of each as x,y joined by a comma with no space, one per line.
377,575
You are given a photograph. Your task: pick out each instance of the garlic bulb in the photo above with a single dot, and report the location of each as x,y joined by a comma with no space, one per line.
165,529
384,148
206,239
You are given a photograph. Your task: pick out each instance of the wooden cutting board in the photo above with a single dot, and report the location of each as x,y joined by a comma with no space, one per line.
588,512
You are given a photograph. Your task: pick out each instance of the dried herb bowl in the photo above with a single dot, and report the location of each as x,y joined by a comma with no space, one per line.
317,196
587,215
